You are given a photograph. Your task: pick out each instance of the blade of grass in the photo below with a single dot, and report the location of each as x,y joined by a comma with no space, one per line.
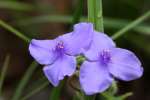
21,86
3,72
108,22
31,68
14,5
45,19
120,23
131,25
36,90
14,31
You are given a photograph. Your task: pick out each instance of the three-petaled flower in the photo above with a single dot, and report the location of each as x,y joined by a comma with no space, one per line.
58,55
105,61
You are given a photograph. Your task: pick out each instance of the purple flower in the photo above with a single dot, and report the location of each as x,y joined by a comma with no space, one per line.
105,61
58,55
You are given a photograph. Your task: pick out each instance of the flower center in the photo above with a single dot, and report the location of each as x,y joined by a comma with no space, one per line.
59,49
60,46
105,57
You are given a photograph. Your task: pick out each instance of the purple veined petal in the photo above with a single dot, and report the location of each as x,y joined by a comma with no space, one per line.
100,42
41,51
79,40
125,65
62,67
94,78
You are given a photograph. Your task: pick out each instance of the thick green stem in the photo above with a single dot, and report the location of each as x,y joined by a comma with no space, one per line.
95,14
98,16
90,7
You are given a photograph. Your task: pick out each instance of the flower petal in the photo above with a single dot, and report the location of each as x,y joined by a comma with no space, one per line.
94,78
62,67
79,40
125,65
100,42
41,51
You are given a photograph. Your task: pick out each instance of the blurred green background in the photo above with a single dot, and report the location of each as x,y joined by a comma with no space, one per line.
46,19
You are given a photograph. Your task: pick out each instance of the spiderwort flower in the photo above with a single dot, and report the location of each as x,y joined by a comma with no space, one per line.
105,61
58,55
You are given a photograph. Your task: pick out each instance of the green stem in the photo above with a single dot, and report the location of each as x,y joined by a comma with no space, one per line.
98,16
123,97
3,72
131,25
34,91
14,31
95,14
24,81
90,5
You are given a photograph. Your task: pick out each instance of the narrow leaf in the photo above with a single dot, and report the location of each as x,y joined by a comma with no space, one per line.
131,25
3,72
14,31
21,86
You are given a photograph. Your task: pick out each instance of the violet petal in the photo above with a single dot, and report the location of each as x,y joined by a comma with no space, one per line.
125,65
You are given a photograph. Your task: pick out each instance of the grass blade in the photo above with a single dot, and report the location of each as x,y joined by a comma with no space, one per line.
131,25
3,72
19,90
108,22
14,31
36,90
14,5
